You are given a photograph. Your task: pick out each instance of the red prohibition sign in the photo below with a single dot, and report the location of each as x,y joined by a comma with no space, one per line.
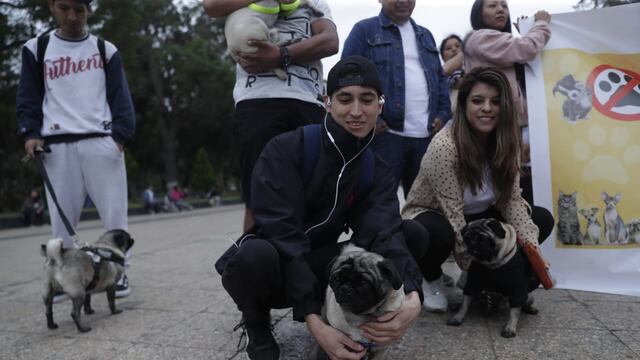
615,92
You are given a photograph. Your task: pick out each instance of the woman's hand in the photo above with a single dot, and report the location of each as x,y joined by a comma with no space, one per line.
542,15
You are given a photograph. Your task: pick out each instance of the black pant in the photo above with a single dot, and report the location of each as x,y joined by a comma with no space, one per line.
526,184
253,277
442,238
256,121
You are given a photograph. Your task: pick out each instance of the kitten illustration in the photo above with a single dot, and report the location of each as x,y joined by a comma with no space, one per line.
592,234
568,228
614,230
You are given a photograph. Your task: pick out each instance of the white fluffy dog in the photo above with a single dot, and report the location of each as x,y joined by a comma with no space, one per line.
256,22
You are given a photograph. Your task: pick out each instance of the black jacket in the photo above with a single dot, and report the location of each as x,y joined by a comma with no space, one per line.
284,208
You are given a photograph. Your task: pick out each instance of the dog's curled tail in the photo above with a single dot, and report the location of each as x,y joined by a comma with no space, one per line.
53,250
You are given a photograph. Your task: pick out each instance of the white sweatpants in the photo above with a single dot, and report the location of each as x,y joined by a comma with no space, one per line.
93,166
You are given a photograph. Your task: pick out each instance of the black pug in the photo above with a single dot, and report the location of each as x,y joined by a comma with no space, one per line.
499,265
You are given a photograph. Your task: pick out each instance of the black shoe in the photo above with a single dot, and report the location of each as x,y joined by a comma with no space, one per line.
261,344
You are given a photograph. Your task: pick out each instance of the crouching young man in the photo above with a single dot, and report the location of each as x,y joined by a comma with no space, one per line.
304,198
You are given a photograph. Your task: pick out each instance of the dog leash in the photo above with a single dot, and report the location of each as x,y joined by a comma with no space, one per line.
39,154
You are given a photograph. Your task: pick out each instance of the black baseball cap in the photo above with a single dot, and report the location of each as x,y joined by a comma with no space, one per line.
353,70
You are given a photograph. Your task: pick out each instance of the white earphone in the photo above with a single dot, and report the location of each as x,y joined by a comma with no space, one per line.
328,102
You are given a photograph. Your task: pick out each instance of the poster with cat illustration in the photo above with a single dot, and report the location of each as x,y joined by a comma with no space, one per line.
583,97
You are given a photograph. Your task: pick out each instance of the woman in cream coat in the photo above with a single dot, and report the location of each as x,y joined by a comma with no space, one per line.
471,171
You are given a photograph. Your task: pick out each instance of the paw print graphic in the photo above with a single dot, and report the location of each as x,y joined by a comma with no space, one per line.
607,155
616,92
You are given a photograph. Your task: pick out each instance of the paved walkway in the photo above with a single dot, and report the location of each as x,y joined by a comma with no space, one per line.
178,309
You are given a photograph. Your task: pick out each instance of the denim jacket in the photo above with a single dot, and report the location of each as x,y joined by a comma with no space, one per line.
378,39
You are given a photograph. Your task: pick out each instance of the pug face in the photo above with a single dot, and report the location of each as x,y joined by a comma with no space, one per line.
361,280
117,238
484,239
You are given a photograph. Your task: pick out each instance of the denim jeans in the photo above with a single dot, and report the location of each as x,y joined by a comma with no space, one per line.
403,154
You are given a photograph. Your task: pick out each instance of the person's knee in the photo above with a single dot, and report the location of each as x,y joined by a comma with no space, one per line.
441,234
544,220
256,253
416,237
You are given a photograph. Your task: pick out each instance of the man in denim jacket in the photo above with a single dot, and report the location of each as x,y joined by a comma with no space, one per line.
417,98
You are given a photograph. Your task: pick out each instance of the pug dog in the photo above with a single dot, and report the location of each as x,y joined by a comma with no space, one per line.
75,272
362,286
498,265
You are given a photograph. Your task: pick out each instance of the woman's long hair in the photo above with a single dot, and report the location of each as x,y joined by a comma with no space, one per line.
477,23
501,153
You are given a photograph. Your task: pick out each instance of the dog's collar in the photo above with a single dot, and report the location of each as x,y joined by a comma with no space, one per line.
264,9
285,9
105,253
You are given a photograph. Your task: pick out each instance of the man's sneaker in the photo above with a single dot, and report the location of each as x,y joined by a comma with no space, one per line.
122,287
261,345
59,296
434,298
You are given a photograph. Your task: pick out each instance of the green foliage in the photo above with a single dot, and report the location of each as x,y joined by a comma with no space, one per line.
202,176
179,74
594,4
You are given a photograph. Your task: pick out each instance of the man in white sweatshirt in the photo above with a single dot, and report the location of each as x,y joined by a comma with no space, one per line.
73,97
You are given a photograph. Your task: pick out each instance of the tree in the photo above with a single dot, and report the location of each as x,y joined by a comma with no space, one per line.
202,176
594,4
179,72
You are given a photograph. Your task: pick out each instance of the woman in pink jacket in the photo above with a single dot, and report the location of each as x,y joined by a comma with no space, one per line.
492,44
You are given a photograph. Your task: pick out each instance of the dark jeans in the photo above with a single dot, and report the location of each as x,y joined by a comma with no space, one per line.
442,239
253,277
256,121
403,154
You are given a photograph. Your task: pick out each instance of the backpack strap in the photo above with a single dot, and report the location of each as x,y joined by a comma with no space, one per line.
103,54
43,42
312,140
365,178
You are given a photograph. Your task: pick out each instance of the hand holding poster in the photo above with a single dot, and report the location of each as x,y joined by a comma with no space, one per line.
584,116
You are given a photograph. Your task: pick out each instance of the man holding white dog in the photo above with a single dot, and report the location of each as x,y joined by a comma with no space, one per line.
282,261
266,105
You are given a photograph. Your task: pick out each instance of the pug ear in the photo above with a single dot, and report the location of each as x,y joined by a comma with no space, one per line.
497,228
389,272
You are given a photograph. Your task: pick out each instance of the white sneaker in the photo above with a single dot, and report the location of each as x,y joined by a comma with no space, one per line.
122,287
434,298
59,296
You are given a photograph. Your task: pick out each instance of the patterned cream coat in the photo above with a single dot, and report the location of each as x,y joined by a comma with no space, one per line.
438,188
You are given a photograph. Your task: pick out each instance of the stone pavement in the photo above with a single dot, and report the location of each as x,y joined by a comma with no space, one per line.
179,310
